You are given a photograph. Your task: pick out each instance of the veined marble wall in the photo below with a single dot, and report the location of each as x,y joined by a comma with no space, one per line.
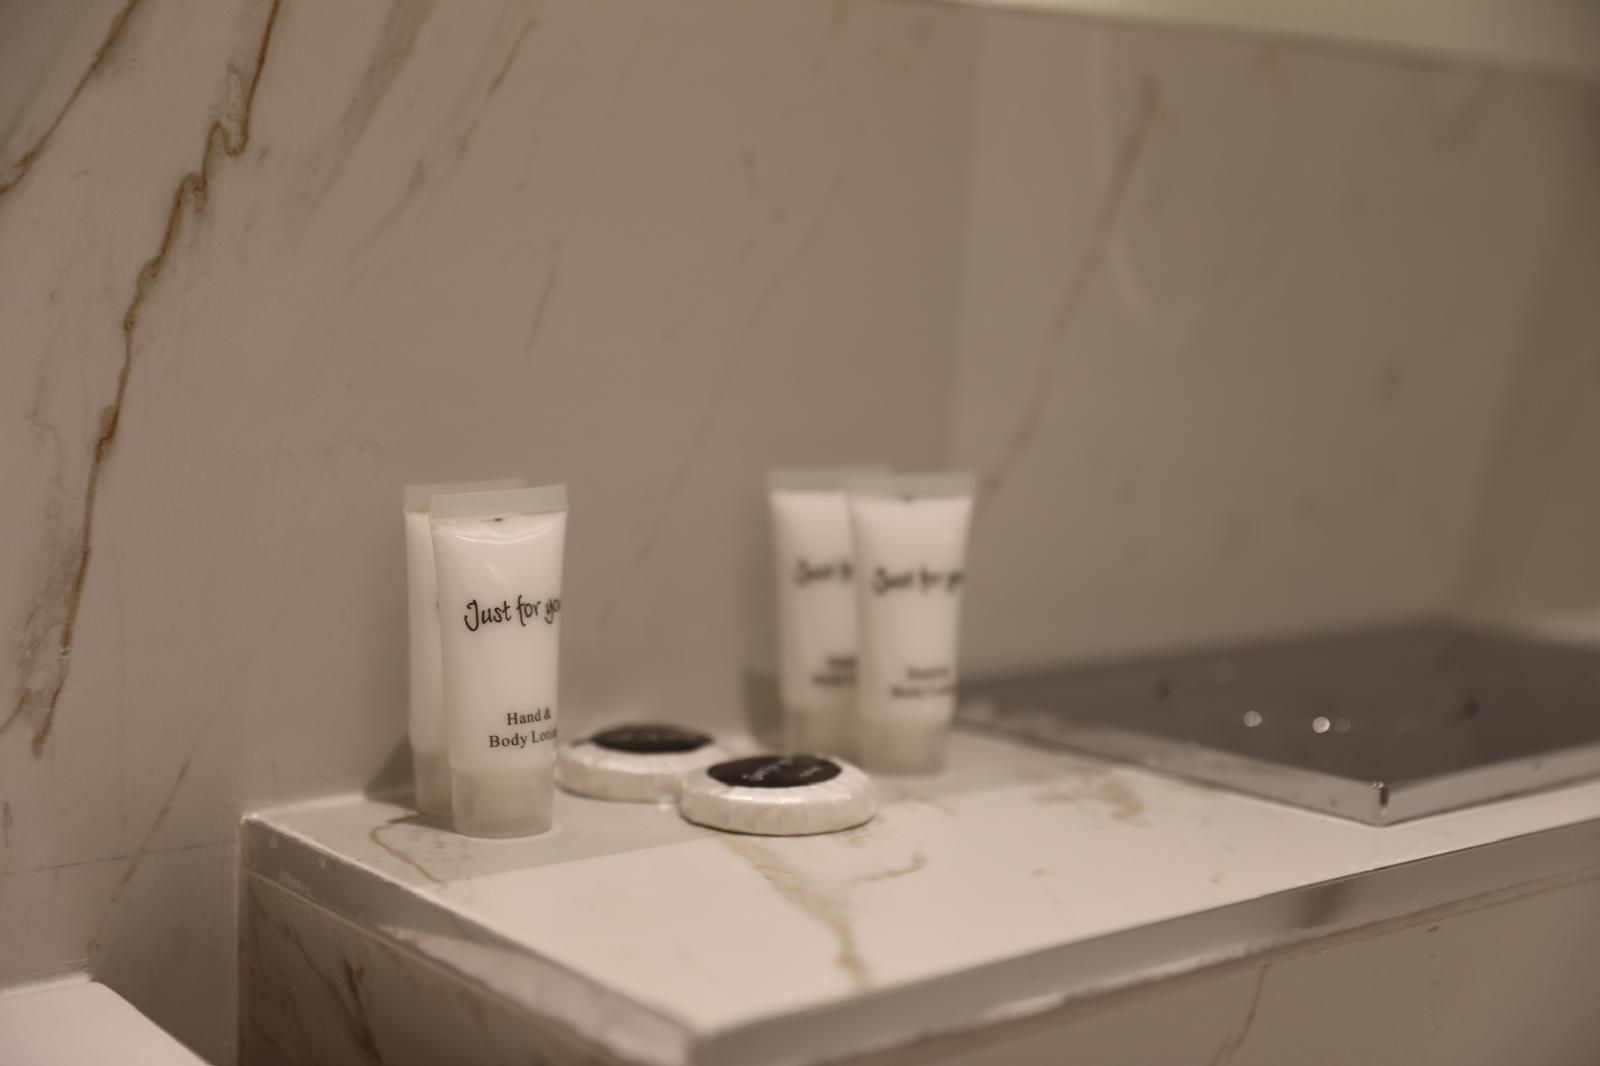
264,261
1244,333
1239,337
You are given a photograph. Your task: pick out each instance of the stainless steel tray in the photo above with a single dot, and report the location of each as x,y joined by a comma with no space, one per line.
1379,726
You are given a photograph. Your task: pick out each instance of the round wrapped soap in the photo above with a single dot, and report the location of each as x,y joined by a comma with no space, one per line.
779,795
642,763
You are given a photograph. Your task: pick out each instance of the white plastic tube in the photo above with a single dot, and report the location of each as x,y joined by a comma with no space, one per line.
430,759
911,547
498,558
816,606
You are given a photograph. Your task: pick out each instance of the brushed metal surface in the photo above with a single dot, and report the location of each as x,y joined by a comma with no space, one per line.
1379,726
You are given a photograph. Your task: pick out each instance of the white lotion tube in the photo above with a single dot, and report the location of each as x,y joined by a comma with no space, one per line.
430,758
911,548
816,606
498,558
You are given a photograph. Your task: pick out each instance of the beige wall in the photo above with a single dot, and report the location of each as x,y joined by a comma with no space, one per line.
1537,547
1240,329
648,249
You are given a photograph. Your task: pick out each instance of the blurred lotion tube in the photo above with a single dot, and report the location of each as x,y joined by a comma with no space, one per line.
911,546
816,606
430,760
498,557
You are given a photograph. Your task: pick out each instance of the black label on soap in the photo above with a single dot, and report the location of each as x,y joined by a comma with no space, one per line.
650,739
775,771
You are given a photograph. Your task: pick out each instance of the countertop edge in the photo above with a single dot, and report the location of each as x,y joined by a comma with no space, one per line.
614,1024
1005,992
1115,965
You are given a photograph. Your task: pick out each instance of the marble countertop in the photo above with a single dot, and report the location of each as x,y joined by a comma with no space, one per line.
666,943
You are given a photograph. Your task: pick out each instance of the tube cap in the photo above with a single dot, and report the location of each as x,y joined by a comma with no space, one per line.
779,795
430,773
515,803
635,763
902,746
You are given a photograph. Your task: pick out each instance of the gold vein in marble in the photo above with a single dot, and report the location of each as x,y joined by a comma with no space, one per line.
396,41
351,1012
1077,290
150,834
108,45
376,836
738,355
1235,1041
464,142
1120,801
432,164
543,305
917,863
821,908
228,136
